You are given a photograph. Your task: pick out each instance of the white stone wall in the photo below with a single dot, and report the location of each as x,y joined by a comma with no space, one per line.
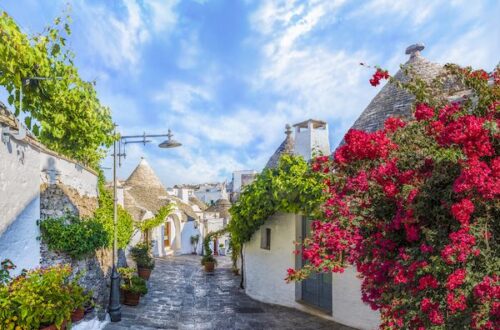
24,167
265,270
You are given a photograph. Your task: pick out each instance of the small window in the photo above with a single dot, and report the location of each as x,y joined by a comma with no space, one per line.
265,242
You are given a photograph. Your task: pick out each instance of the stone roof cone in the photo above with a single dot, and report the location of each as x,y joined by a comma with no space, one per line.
143,175
144,190
392,101
286,147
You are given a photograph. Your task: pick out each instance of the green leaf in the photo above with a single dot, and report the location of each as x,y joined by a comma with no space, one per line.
27,121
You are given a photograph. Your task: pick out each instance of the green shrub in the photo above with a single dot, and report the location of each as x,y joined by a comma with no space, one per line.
142,256
38,298
76,237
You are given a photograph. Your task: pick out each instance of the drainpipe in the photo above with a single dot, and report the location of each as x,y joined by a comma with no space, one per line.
242,285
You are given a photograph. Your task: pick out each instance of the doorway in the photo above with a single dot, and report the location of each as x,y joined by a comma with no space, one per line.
317,289
167,234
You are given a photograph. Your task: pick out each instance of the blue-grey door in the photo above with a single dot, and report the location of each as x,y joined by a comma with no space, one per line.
317,289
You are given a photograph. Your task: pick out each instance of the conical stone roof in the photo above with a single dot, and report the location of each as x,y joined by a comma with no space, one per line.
286,147
145,188
143,175
392,101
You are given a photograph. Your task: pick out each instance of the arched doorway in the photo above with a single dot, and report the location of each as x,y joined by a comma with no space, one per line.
171,234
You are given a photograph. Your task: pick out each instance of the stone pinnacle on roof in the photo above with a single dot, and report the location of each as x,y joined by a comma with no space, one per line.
392,101
286,147
415,49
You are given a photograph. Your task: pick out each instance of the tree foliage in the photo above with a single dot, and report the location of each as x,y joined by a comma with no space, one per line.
63,110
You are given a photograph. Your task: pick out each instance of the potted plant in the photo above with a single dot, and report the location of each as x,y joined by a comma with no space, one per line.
222,250
132,287
209,262
80,300
142,257
194,242
37,299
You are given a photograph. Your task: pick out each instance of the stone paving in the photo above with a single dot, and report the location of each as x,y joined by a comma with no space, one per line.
182,296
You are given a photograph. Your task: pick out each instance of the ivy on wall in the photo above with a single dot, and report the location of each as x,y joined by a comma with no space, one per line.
62,110
290,187
76,237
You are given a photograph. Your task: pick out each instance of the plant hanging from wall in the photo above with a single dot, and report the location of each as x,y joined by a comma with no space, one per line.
78,238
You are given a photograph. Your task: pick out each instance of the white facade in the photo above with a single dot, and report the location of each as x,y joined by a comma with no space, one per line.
238,179
179,241
209,193
265,270
24,167
311,139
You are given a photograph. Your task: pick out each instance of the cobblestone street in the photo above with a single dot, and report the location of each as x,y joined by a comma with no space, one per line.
183,296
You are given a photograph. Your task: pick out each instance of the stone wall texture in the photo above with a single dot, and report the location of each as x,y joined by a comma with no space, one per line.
57,200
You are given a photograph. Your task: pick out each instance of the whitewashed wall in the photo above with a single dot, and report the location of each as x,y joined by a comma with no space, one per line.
19,204
24,166
265,270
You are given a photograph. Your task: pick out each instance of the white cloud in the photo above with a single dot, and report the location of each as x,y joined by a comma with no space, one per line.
323,82
189,51
115,40
162,13
180,96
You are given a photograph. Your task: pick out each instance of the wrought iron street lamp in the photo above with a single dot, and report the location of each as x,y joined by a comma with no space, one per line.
114,308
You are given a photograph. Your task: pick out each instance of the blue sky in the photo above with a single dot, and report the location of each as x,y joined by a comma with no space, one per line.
226,76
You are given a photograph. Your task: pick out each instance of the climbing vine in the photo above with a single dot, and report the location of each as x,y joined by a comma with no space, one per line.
145,226
104,214
290,187
211,236
61,109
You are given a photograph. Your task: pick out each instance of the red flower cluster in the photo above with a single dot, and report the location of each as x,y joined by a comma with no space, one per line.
423,112
379,75
361,145
456,279
462,211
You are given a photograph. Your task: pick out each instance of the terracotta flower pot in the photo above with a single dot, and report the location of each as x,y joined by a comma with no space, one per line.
144,273
77,315
131,299
53,327
209,266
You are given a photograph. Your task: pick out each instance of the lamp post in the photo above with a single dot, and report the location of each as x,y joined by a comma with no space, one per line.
114,308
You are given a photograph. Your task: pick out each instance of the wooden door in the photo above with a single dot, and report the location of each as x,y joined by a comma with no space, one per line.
167,234
317,289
